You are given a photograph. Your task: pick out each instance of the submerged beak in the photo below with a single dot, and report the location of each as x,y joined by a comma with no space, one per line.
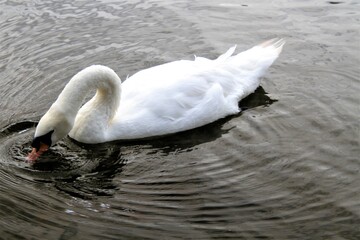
37,153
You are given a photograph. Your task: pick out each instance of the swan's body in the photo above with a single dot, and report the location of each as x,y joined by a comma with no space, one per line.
165,99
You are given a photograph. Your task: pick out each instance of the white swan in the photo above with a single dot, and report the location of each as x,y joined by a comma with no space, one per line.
165,99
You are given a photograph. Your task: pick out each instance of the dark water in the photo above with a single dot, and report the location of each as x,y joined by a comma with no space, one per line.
286,168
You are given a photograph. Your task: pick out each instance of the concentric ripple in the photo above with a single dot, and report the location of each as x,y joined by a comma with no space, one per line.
287,167
67,164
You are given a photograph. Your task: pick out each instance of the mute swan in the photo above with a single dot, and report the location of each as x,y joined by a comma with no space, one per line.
164,99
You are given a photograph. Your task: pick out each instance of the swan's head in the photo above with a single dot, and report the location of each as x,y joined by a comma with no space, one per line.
52,127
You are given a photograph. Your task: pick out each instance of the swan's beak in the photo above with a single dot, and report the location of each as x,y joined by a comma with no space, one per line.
35,154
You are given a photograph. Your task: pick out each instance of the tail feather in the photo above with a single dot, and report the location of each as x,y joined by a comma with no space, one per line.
276,43
263,55
252,64
226,55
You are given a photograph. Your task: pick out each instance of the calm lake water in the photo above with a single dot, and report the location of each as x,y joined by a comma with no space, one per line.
285,168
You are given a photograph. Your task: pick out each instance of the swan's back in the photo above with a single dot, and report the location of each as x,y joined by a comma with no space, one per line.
184,94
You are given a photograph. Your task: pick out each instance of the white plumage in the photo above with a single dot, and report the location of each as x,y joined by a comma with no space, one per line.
164,99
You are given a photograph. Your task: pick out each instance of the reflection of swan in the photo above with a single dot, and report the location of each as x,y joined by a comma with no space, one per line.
165,99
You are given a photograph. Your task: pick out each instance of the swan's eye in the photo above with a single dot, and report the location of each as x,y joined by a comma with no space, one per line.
46,139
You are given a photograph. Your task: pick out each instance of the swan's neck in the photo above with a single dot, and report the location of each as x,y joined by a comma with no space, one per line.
105,102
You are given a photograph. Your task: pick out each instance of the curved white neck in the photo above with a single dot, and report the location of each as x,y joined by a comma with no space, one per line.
96,77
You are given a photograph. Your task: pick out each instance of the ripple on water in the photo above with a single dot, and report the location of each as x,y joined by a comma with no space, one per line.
163,179
77,170
285,172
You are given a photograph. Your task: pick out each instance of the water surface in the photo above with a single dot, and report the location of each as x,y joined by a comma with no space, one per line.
285,168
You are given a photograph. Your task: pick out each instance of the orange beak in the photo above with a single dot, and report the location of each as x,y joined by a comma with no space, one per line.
35,154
